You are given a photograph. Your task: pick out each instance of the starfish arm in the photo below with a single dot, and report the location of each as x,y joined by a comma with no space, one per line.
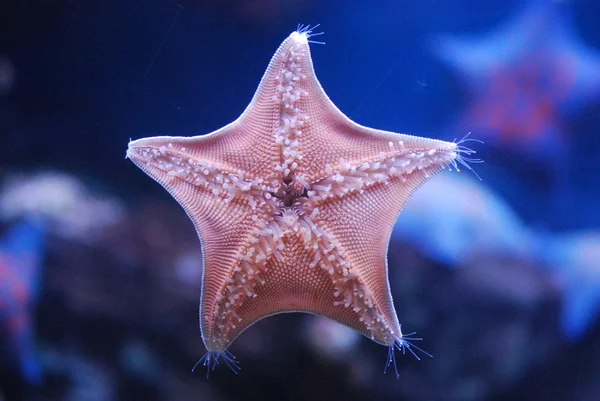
313,132
175,160
224,214
398,162
240,148
280,100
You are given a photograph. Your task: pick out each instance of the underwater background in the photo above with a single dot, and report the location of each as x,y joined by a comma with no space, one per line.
498,271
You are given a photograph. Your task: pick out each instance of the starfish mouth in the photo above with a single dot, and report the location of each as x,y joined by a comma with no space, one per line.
291,194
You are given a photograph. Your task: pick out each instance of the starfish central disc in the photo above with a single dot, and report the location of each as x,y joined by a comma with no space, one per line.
294,204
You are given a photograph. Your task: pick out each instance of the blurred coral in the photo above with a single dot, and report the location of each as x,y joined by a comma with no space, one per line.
574,259
475,229
331,338
69,208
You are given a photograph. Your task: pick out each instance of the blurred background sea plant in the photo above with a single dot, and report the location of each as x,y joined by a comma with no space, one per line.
100,271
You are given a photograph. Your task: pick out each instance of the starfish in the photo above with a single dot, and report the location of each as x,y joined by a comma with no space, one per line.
526,77
294,205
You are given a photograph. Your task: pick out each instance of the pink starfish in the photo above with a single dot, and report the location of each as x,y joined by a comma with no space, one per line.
294,205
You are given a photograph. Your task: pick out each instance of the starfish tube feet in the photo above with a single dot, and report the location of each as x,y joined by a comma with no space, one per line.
402,344
211,359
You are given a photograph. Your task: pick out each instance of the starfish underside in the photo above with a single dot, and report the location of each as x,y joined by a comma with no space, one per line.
294,204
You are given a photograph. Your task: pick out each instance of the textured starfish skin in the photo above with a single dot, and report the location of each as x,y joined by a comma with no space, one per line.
294,204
